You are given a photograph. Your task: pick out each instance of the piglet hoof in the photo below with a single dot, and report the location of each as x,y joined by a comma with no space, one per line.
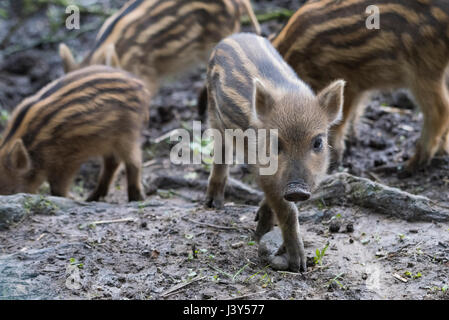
135,196
404,173
214,202
420,159
93,197
412,167
273,251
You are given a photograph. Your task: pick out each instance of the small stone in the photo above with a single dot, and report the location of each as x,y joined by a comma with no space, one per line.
237,245
146,253
270,243
365,241
334,227
380,254
350,228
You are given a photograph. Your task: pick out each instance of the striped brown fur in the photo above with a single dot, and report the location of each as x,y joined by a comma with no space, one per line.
328,39
249,86
156,39
96,111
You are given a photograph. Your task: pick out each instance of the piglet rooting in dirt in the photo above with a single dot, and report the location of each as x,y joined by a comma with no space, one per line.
251,87
96,111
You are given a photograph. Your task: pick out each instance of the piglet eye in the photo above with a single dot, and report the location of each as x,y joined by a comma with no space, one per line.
318,144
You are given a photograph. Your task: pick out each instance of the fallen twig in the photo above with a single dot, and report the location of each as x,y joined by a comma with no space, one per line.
398,277
111,221
165,136
41,236
181,285
149,163
210,225
390,109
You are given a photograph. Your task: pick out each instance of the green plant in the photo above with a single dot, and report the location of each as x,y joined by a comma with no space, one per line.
3,14
165,194
408,274
204,147
336,280
75,263
319,255
234,276
41,205
321,205
266,280
4,117
337,216
252,276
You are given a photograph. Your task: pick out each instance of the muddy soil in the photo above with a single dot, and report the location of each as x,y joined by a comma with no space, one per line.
169,246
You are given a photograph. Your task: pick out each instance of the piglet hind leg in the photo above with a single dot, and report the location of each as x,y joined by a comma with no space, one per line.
110,165
133,166
61,178
216,186
291,255
444,149
433,99
217,182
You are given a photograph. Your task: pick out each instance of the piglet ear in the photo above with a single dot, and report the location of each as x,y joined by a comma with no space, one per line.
68,62
262,100
111,57
18,157
331,101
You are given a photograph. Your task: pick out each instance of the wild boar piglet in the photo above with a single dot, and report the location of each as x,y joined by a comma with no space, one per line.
159,39
250,87
408,48
94,112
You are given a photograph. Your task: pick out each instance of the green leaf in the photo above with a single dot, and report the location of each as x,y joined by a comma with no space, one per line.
3,14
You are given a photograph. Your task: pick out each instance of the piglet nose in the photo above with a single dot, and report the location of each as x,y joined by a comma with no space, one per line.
296,191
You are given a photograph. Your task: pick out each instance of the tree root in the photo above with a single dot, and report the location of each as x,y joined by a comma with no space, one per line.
337,189
343,187
234,189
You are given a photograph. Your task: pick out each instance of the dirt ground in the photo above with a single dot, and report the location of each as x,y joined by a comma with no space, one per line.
171,247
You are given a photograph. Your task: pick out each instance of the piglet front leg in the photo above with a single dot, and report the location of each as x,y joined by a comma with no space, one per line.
291,254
